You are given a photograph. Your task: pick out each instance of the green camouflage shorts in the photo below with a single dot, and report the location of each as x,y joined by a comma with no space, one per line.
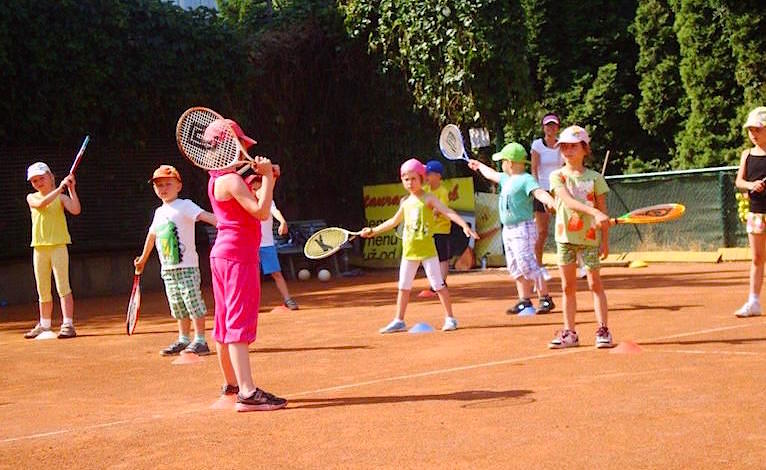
183,292
567,254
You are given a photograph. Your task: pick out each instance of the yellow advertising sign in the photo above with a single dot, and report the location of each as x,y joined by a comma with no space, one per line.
381,202
488,226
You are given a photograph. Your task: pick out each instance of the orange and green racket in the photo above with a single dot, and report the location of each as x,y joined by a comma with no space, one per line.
651,214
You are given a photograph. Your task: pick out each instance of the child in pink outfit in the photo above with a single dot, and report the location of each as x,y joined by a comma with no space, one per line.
236,278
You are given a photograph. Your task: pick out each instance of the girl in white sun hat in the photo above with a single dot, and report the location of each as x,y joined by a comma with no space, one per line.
582,226
50,237
750,178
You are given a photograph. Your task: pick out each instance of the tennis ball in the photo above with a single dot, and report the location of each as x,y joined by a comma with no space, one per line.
324,275
304,274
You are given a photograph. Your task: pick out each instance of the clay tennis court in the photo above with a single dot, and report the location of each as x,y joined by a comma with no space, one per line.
490,395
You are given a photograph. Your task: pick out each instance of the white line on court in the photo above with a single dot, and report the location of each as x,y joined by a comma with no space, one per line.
381,380
702,332
437,372
702,351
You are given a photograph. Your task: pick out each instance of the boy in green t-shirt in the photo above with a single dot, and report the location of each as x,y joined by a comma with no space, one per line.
517,188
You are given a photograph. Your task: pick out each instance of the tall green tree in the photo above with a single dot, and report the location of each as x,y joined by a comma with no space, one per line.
463,62
663,105
712,133
584,69
746,29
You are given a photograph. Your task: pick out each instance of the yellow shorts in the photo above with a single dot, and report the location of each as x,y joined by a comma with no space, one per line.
51,258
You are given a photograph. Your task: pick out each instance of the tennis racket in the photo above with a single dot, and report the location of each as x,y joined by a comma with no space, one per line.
78,158
451,143
134,306
207,140
327,242
651,214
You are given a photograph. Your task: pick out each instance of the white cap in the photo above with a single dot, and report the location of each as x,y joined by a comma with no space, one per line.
573,135
756,118
37,169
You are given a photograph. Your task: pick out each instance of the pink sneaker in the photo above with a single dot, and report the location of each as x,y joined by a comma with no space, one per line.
564,339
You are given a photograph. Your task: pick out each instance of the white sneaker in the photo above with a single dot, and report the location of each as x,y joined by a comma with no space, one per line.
546,275
750,309
450,324
395,326
604,338
564,339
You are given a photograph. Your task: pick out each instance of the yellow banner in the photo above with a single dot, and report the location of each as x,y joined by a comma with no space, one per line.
488,226
381,201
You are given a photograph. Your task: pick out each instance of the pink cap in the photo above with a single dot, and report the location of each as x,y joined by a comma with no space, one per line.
413,164
550,117
216,130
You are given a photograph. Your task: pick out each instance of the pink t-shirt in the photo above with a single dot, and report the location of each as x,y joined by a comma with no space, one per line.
239,233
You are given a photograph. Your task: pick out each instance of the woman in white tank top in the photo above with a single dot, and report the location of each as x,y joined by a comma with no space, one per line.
546,158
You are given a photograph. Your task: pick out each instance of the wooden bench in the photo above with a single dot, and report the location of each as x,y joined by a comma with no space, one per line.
290,246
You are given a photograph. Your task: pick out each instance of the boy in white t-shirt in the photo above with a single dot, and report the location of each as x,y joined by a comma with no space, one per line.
267,254
172,231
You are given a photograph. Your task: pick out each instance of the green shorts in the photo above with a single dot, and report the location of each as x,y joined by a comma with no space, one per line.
567,254
183,292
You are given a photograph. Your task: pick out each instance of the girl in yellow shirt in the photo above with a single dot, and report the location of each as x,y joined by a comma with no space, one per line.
417,212
50,237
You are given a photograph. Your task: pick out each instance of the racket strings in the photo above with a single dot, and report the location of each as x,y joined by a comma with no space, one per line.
214,148
133,307
324,242
451,142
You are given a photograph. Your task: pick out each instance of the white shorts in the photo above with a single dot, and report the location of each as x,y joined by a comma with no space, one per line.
409,268
519,243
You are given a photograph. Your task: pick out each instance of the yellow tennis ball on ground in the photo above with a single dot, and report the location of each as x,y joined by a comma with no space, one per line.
304,274
324,275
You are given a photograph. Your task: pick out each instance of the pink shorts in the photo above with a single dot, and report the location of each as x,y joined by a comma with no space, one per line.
237,292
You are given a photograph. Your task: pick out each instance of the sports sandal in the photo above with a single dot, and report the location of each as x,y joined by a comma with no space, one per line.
67,331
36,331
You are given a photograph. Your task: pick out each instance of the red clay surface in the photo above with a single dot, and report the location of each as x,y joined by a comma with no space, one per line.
490,395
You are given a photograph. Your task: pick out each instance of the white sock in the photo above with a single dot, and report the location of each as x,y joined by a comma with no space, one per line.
753,298
68,321
45,322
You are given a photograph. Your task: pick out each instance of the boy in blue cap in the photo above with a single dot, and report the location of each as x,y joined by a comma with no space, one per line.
442,225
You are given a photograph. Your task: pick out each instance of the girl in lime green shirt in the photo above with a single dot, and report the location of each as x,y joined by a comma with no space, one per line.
50,237
417,212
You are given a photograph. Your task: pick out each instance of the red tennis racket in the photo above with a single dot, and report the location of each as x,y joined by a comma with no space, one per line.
78,158
134,305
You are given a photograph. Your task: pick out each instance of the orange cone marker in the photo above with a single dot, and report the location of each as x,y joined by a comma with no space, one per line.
184,359
626,347
224,402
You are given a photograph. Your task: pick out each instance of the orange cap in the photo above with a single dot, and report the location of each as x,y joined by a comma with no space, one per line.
166,171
